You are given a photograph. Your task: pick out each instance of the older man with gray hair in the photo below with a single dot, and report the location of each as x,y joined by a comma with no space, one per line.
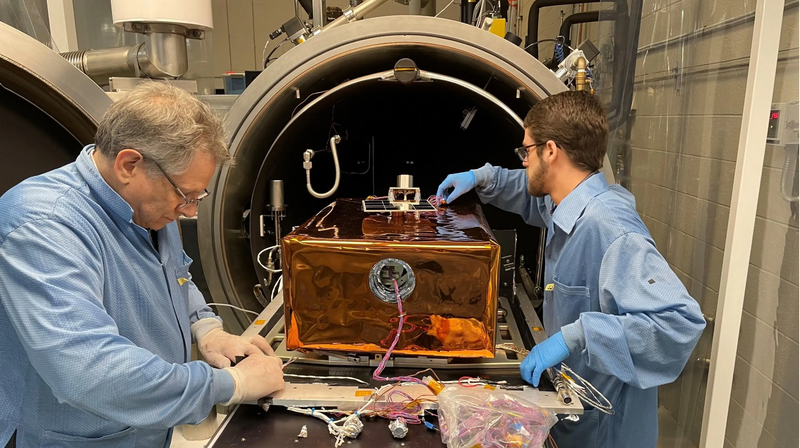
97,307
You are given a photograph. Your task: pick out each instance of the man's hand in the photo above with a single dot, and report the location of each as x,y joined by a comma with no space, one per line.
543,356
220,348
460,183
255,377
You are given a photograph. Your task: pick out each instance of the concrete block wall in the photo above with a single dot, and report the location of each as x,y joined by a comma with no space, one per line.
688,101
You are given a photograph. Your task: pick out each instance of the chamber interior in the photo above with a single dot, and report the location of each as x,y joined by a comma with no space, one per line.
427,129
33,141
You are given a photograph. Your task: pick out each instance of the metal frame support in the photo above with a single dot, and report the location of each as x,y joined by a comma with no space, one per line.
61,16
320,13
738,243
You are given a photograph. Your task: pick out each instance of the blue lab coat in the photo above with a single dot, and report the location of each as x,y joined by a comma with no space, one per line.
627,319
94,321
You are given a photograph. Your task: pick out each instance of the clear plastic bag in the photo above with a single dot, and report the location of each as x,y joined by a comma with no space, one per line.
471,417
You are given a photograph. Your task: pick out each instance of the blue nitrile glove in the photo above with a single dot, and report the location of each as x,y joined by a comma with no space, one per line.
460,183
543,356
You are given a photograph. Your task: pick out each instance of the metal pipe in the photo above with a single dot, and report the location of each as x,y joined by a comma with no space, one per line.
355,13
624,65
320,15
164,55
276,195
277,220
429,8
533,19
105,63
583,17
334,140
563,392
627,39
415,7
467,10
308,7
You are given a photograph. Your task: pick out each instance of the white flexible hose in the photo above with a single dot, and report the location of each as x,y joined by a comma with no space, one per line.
787,174
334,140
477,15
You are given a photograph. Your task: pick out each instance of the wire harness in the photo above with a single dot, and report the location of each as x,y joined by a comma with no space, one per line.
572,382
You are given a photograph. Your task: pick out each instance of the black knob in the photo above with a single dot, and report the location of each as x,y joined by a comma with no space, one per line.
513,38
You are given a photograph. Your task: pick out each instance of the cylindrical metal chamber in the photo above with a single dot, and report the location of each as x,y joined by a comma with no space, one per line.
465,110
48,109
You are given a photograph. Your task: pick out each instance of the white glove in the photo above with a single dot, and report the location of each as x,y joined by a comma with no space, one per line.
220,348
255,377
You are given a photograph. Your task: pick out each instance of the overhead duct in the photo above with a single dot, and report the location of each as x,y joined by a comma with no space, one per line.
163,54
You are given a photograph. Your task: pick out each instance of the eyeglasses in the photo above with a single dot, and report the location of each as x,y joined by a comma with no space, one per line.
189,202
522,151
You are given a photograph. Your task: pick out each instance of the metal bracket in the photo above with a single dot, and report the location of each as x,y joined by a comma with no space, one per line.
351,398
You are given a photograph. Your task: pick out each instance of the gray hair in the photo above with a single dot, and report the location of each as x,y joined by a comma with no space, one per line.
166,124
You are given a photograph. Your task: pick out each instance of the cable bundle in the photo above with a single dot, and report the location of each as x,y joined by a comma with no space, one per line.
574,383
479,417
401,320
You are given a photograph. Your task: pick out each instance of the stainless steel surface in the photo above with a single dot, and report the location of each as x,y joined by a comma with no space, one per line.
271,312
102,64
276,195
34,72
277,206
348,398
167,28
265,108
531,318
125,84
320,12
163,55
405,181
415,7
355,13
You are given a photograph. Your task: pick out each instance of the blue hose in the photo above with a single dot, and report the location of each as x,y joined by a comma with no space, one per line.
558,53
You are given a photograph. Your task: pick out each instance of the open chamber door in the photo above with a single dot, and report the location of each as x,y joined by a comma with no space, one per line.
463,108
